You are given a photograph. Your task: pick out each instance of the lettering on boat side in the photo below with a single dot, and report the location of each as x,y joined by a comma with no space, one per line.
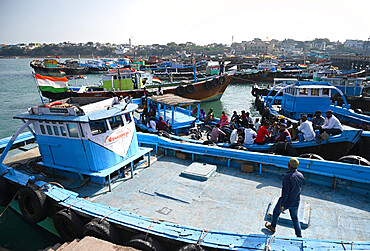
58,110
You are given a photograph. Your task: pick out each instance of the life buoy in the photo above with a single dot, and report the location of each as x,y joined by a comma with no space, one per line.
215,82
68,225
208,85
53,103
101,229
191,247
33,204
190,88
180,90
145,242
5,196
222,80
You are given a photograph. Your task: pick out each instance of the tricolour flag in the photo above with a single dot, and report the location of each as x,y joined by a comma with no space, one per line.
156,81
51,84
303,66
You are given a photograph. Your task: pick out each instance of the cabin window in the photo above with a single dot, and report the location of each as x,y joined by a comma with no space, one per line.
343,82
325,92
115,122
337,82
48,128
303,91
98,126
128,117
315,92
351,82
72,130
63,131
42,128
56,130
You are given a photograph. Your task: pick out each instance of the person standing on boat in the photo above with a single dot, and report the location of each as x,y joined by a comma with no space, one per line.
222,68
249,135
290,198
216,132
263,135
306,128
318,120
332,124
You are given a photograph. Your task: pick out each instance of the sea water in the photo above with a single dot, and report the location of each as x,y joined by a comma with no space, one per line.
18,92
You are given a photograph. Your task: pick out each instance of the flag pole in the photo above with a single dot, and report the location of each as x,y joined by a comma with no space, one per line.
38,89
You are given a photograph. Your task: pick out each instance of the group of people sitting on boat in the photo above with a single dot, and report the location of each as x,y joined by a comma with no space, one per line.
245,131
148,115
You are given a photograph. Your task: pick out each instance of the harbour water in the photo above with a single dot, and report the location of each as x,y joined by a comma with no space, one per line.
18,92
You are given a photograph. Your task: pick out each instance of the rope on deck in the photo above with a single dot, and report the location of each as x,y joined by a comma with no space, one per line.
268,243
201,237
7,206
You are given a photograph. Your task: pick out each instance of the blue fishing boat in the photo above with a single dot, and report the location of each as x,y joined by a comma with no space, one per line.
88,175
306,97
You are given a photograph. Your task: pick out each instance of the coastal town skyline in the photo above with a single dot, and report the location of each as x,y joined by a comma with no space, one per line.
162,21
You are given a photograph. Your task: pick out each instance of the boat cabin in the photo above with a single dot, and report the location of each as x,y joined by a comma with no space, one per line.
305,97
90,139
349,86
122,79
268,65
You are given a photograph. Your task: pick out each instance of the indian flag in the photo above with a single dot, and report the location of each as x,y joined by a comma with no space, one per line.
156,81
303,66
51,84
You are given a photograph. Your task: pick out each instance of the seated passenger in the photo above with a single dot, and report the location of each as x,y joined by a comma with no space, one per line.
216,132
283,133
202,114
152,124
194,113
318,120
257,124
224,120
235,119
306,128
234,136
210,117
161,125
331,125
249,135
263,135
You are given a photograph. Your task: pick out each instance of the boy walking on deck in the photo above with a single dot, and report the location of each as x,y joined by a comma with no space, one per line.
290,198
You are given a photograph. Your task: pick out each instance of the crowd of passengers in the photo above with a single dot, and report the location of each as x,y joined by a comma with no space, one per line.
245,130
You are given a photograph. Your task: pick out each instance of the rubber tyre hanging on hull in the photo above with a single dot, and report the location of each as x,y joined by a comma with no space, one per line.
208,85
311,156
180,90
145,243
254,92
5,196
191,247
222,80
215,82
190,89
33,204
101,229
68,225
283,148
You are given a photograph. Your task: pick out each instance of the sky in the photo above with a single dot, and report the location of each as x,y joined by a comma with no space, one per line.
202,22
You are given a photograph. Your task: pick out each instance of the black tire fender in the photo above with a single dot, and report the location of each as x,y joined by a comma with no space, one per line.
215,82
222,80
254,92
180,90
68,225
191,247
5,194
101,229
190,88
33,204
311,156
283,148
208,85
145,243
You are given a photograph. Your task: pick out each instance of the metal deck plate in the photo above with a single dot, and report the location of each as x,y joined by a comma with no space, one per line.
199,171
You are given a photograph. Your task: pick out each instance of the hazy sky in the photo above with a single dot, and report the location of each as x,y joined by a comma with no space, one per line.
198,21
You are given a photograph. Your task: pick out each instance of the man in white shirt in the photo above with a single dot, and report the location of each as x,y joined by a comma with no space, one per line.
332,124
306,128
249,135
257,124
152,123
235,135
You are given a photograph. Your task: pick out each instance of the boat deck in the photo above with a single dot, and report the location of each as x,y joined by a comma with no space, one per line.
231,200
